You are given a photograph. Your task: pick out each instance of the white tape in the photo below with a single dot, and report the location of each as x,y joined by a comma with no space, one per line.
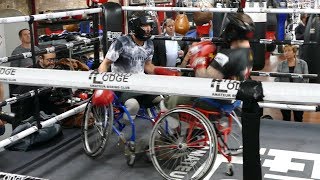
86,41
50,49
69,45
265,41
4,60
27,55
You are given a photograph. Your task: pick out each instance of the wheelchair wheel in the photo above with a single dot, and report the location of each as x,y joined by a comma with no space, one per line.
230,130
96,128
183,144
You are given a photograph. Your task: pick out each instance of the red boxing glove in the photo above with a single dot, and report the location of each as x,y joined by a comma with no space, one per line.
83,96
201,54
166,71
102,97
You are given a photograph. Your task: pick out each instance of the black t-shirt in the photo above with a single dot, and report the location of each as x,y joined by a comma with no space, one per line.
291,70
234,63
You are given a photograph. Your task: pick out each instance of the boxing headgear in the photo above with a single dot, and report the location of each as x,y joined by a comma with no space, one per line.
135,24
239,27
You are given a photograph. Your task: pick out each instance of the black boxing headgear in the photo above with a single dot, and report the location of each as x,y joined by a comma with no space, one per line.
239,27
136,23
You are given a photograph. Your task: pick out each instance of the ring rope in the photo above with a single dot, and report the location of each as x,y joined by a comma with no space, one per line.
140,83
287,75
50,49
23,96
38,17
259,73
289,106
222,10
46,123
218,40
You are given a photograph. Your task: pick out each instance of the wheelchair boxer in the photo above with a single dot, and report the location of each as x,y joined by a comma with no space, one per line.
232,62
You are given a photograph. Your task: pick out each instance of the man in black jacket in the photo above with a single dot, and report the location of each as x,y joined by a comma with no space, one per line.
299,31
168,53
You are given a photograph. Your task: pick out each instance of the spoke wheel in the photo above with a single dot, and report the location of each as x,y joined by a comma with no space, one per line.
96,128
183,144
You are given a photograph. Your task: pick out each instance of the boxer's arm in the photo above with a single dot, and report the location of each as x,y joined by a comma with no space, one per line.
105,65
210,72
149,67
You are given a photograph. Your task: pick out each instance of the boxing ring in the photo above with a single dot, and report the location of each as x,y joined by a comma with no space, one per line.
251,92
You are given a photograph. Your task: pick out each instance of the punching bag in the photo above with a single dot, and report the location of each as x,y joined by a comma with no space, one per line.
271,33
182,24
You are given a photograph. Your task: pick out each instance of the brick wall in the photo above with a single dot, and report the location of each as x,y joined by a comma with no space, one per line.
43,5
21,5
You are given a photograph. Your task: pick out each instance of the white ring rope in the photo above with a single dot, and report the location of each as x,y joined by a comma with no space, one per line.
292,93
222,10
38,17
46,123
219,40
259,73
289,106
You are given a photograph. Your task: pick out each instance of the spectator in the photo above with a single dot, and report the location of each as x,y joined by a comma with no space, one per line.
299,30
24,35
46,61
292,65
168,53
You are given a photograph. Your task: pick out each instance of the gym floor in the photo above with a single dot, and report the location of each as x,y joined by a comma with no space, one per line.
289,150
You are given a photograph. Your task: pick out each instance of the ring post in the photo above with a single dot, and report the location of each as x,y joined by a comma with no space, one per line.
36,97
250,92
96,34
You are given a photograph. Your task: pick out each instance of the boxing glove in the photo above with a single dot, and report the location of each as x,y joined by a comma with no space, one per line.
201,54
102,97
83,96
166,71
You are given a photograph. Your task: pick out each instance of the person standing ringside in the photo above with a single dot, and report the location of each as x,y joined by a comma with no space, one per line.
25,46
292,64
